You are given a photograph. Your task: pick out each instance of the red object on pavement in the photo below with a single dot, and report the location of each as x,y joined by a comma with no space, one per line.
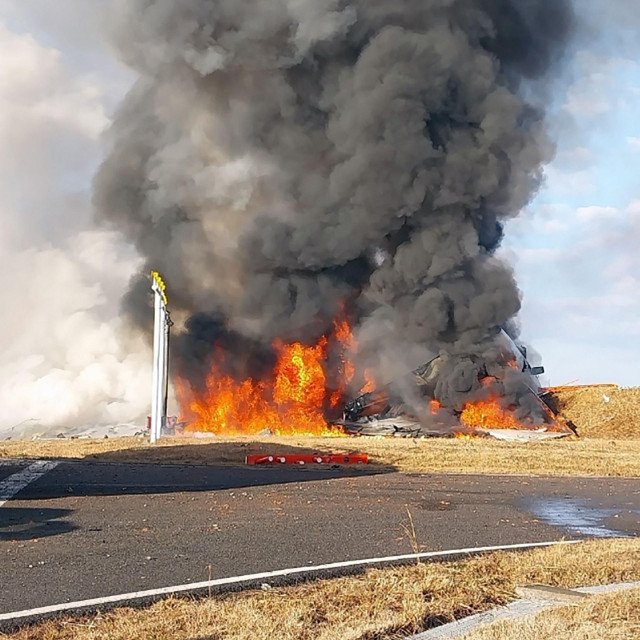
312,458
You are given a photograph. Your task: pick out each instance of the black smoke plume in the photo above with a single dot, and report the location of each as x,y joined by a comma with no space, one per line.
276,159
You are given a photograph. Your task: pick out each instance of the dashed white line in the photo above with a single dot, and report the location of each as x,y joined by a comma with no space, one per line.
260,577
18,481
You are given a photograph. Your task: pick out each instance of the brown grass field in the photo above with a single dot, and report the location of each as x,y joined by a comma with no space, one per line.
608,617
607,418
570,457
381,604
601,411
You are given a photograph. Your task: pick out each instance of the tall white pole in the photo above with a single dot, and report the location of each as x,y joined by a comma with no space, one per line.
165,365
161,329
162,356
158,329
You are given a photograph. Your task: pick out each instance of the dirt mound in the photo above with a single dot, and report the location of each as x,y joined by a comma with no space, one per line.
603,411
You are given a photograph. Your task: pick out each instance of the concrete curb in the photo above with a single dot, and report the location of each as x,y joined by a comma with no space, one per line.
513,611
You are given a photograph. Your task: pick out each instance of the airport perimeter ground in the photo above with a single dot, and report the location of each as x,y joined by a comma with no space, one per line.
607,419
598,474
571,457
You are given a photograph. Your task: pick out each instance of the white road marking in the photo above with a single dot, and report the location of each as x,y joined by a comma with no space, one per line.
199,586
18,481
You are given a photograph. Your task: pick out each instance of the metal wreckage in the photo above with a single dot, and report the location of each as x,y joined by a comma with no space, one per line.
384,412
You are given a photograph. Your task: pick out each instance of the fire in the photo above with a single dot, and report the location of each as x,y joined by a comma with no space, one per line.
460,435
346,370
291,401
370,383
299,389
489,413
435,407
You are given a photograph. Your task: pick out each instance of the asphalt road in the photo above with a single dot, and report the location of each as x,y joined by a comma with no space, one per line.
86,530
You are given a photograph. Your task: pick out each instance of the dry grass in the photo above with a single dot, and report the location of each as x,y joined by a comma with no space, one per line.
380,604
610,617
600,412
569,457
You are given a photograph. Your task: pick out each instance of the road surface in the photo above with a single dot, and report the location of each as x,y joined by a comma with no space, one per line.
84,530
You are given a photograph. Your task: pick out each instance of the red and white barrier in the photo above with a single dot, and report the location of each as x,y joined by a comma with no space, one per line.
302,459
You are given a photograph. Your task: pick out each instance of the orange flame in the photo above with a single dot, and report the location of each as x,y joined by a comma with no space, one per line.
292,401
299,390
291,405
489,412
370,383
346,370
343,334
460,435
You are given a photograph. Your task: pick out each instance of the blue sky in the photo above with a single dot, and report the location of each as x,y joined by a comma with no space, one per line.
575,249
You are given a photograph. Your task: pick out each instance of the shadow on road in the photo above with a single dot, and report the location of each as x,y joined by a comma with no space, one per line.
211,452
183,468
17,524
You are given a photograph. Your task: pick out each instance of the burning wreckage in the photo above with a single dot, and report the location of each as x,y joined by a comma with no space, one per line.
497,395
280,161
384,412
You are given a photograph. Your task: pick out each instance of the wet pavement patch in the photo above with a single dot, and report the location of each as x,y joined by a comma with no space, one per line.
582,516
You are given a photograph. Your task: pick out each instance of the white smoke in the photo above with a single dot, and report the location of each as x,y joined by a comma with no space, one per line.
64,364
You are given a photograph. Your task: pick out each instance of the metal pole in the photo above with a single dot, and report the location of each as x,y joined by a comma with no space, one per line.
162,324
167,337
156,407
163,372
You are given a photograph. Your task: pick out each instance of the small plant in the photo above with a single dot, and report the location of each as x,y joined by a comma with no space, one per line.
410,531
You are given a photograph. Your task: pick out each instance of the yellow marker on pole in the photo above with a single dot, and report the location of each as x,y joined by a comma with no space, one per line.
157,279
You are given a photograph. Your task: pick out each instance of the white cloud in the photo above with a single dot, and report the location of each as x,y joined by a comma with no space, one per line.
36,90
50,125
614,20
575,159
596,92
589,100
72,24
569,183
591,214
634,143
585,291
546,220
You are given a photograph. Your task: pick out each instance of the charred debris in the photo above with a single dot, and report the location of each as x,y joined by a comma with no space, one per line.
385,412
